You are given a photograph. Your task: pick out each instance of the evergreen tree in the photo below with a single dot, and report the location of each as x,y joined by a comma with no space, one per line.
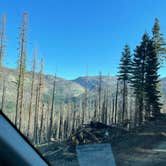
125,75
145,79
152,95
138,78
159,42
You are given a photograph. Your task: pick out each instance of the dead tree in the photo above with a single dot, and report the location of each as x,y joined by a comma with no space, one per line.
52,109
32,93
66,124
99,96
3,95
95,117
48,119
37,104
84,106
22,67
73,121
116,101
113,108
61,124
2,38
85,101
41,123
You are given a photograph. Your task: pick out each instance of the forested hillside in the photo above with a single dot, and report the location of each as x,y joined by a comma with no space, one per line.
65,89
46,107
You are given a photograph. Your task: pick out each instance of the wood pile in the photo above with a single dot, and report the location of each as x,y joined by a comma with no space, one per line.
96,132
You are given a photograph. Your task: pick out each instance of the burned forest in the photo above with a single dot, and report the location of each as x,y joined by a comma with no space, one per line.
50,110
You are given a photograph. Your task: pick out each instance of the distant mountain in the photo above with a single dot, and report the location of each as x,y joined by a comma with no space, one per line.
65,89
92,82
163,87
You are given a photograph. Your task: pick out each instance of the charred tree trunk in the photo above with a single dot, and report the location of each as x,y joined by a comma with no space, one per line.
22,66
31,98
52,109
113,107
99,93
60,126
116,101
41,124
3,95
73,121
37,105
2,38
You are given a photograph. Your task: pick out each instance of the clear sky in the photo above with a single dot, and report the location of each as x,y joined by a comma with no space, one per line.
73,34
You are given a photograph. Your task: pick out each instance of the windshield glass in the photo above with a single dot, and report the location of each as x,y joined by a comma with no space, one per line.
84,81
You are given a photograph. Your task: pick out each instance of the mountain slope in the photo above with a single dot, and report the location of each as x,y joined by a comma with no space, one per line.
92,82
64,88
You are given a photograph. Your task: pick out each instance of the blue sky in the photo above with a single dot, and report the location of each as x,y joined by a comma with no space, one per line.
73,34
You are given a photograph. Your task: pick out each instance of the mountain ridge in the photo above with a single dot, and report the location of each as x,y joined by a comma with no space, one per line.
64,88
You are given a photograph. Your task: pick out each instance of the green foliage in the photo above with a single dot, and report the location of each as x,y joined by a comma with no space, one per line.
125,65
145,78
159,42
125,76
152,95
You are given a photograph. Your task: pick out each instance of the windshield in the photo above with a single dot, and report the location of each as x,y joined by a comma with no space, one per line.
84,81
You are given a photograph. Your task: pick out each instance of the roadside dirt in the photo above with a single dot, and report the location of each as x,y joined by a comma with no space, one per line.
145,146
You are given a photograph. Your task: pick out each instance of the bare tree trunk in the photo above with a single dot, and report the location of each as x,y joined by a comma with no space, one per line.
60,126
36,117
99,93
22,66
116,101
48,119
37,105
52,109
32,89
95,110
73,121
113,107
41,124
3,95
124,108
2,38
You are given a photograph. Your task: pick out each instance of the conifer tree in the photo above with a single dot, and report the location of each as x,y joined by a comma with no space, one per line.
125,76
152,94
159,42
138,78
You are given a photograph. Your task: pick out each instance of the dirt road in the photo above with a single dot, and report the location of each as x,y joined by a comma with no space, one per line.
145,146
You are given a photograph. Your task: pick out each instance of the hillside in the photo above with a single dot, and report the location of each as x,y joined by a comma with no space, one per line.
92,82
65,89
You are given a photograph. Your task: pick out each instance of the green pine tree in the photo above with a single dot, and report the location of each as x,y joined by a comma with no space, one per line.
124,76
159,42
152,94
138,78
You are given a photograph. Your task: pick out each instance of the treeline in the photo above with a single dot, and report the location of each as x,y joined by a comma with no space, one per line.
135,99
